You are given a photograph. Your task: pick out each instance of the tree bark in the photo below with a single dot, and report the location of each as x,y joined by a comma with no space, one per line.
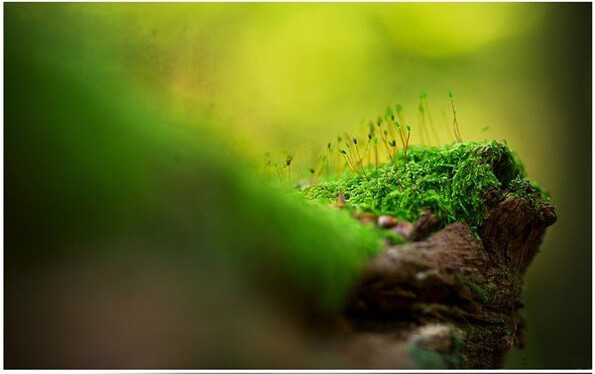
450,299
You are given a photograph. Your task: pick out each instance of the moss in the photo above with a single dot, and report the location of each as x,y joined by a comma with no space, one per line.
320,251
391,236
478,291
529,190
429,359
426,358
451,181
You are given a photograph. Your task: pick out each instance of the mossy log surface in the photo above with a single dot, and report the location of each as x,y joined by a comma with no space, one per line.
450,296
452,299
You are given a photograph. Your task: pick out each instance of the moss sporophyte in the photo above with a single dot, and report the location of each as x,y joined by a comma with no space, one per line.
453,181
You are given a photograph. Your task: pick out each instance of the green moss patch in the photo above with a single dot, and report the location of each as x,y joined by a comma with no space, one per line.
453,181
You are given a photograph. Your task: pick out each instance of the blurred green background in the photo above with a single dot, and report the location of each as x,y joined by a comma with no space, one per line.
289,77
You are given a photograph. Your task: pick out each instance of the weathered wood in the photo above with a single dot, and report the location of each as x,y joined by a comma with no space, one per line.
451,300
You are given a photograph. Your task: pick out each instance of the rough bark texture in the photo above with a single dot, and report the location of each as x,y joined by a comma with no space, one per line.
451,298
